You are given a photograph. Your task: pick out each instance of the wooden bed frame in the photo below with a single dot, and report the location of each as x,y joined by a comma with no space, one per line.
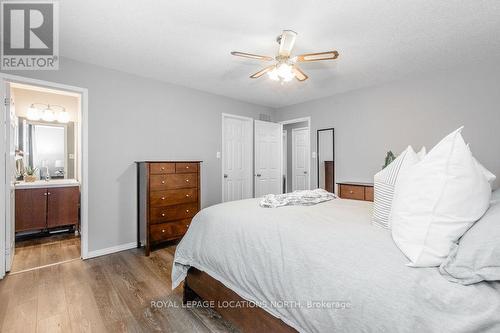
247,319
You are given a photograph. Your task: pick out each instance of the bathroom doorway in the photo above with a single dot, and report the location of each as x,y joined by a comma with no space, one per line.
45,185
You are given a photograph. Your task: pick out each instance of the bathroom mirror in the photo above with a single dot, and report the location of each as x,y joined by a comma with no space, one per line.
46,149
326,159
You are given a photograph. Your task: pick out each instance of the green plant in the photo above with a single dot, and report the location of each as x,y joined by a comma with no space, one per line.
389,158
30,171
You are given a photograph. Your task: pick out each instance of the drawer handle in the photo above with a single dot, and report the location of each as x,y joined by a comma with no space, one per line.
163,182
162,168
187,180
187,167
187,210
162,198
162,214
162,230
187,195
351,192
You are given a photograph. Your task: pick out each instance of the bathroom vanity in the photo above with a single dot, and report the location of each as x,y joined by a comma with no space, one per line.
47,205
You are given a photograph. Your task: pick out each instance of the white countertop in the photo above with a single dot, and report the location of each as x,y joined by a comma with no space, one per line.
50,183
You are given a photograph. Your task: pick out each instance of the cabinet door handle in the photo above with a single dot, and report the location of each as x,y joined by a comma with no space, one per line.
48,193
187,210
187,195
187,180
163,182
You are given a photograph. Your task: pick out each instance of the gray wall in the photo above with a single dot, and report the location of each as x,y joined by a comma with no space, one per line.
417,111
133,118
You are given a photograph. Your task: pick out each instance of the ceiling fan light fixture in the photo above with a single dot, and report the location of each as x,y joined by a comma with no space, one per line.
273,74
285,72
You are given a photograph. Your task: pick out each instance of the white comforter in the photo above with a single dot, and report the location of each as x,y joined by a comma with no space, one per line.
330,254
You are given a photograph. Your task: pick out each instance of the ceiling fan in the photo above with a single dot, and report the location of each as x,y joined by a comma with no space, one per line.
285,68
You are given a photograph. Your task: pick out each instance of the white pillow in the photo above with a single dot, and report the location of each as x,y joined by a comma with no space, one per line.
421,154
437,200
487,173
384,183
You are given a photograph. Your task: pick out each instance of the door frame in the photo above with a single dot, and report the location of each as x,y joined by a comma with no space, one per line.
308,156
82,163
284,158
300,120
250,150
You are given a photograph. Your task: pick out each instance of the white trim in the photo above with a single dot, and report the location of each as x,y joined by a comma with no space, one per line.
3,180
110,250
296,120
251,120
300,120
83,146
284,158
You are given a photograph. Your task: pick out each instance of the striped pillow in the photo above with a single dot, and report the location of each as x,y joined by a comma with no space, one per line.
385,182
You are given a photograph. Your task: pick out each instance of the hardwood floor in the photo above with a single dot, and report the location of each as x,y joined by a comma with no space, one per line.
38,252
107,294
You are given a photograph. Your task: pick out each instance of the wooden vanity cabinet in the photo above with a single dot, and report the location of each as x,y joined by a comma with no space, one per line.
62,206
31,209
46,208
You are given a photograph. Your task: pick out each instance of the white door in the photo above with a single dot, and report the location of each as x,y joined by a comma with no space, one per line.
268,160
10,178
300,159
236,158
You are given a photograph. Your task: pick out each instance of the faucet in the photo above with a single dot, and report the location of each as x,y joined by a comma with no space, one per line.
47,175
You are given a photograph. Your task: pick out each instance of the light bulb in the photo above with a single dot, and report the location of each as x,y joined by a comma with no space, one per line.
273,75
285,72
33,113
63,117
48,115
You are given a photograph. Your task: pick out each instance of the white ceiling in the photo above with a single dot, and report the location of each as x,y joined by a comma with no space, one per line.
188,42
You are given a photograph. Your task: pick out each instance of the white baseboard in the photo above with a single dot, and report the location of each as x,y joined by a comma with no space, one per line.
109,250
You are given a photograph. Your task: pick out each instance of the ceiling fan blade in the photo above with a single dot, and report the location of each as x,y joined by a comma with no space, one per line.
251,56
287,40
299,74
262,72
330,55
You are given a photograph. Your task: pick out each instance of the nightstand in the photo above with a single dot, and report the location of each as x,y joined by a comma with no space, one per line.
356,191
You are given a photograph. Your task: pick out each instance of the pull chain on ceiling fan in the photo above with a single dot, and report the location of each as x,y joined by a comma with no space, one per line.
286,68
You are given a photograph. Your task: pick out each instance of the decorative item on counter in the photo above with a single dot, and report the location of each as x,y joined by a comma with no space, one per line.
30,174
389,158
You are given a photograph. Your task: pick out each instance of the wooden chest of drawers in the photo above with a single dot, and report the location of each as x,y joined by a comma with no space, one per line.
168,198
356,191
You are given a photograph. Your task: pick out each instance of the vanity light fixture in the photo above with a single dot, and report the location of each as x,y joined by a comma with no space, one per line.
47,112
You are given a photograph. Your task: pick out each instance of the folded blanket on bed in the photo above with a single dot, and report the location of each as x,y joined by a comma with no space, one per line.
297,198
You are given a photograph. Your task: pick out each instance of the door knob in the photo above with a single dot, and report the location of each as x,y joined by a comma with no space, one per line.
225,175
305,172
258,175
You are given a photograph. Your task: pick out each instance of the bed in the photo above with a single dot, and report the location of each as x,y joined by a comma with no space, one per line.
322,268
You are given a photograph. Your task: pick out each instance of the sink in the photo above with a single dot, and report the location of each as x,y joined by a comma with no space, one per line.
50,183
